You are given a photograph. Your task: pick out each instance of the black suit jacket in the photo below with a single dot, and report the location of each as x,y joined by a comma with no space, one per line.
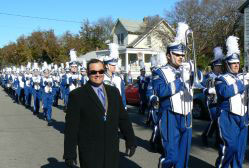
97,140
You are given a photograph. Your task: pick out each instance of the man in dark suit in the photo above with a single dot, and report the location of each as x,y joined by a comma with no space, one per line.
95,112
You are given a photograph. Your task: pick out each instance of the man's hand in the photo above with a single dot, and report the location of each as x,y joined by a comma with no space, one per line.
71,163
130,151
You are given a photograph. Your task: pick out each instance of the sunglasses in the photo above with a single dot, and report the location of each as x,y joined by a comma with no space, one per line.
93,72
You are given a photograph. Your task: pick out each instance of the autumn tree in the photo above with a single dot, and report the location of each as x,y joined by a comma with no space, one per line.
51,47
44,45
23,50
36,43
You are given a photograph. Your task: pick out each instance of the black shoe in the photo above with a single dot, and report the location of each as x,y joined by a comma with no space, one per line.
35,113
147,123
50,123
27,106
204,140
65,109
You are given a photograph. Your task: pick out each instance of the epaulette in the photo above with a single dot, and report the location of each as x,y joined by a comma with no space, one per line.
164,67
150,87
225,75
119,75
155,69
218,81
155,77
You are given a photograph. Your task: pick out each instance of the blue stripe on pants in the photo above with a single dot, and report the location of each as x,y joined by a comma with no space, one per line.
234,135
176,139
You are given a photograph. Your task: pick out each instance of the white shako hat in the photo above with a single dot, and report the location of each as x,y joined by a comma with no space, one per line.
179,44
233,52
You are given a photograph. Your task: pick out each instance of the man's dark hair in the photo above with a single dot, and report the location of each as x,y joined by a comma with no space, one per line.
168,51
93,61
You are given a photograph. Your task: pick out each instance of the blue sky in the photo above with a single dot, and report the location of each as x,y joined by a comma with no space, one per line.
11,27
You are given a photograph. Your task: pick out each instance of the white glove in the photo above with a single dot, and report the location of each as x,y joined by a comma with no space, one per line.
186,66
74,76
246,76
185,74
211,91
246,79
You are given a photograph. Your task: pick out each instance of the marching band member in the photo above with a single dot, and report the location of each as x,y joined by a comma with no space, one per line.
173,87
56,86
27,86
110,76
153,106
1,77
63,72
142,88
210,93
47,95
70,81
36,88
83,77
64,85
150,91
15,85
20,89
232,100
8,80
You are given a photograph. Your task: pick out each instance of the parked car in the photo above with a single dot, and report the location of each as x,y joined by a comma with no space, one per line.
200,109
132,94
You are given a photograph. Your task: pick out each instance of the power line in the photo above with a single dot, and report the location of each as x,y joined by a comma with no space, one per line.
41,18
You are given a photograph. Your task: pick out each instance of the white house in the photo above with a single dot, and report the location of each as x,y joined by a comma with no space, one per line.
137,42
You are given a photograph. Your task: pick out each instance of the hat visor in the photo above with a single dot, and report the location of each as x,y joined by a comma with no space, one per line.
178,52
233,61
112,63
217,64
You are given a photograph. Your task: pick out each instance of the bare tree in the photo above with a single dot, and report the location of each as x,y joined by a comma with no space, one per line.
107,23
211,20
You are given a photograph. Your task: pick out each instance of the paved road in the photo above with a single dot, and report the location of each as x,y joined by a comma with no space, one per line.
27,142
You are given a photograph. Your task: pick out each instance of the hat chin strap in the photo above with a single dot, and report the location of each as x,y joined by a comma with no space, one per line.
108,69
173,60
229,68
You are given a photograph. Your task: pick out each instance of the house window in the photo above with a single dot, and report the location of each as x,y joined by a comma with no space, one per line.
122,57
147,58
121,39
132,58
149,41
